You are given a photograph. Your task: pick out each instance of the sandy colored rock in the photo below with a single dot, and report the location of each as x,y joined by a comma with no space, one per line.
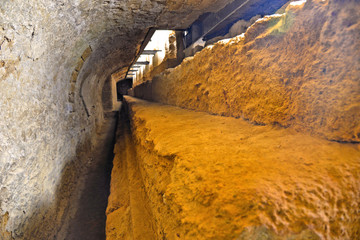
213,177
128,212
79,64
297,69
46,125
48,134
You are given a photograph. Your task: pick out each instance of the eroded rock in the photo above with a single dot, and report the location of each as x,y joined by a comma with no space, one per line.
297,69
212,177
51,103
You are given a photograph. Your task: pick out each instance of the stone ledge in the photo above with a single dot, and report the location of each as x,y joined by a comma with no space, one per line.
297,69
212,177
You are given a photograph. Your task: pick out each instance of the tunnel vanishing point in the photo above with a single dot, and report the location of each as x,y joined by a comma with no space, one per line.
242,123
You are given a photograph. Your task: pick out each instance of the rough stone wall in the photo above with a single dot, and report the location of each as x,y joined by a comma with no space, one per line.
50,95
191,175
298,69
39,135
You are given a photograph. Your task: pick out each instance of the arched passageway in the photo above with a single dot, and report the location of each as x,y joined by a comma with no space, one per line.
272,148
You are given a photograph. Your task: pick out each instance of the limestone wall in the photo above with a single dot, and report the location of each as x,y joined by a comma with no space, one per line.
54,59
41,136
184,175
299,69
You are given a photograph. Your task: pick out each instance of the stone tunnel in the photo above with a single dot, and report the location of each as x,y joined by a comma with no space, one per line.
247,128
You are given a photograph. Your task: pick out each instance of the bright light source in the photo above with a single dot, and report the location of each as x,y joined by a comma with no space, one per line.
298,3
160,42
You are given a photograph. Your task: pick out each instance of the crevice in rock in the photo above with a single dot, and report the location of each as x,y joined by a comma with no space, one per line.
127,180
88,222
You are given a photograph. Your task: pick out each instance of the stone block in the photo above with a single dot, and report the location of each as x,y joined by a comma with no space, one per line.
74,76
79,64
72,87
86,53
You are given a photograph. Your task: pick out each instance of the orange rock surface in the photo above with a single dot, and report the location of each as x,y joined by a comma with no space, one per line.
297,69
194,175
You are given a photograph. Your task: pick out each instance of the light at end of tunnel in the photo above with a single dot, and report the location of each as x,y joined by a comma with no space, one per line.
298,3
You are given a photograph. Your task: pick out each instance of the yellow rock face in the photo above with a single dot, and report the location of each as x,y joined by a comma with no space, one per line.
298,69
183,174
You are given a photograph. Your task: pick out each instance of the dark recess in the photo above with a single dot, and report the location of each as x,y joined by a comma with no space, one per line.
122,87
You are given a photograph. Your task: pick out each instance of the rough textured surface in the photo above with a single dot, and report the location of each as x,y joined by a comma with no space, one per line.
88,217
4,234
211,177
128,212
298,69
55,56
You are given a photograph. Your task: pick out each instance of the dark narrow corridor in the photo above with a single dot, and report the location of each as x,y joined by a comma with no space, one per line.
89,219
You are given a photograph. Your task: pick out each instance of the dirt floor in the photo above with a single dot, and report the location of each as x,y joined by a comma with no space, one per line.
213,177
